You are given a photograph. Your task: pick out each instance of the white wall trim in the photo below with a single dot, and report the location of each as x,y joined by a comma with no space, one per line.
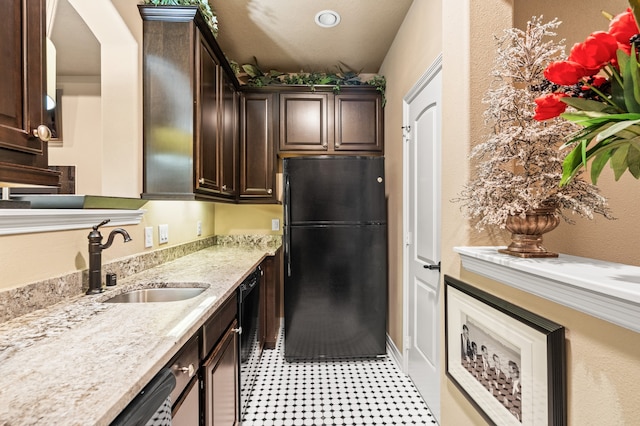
606,290
394,353
26,221
422,82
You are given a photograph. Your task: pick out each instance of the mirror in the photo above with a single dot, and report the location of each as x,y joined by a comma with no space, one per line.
99,73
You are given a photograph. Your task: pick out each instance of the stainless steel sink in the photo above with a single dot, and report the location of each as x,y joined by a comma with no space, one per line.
149,295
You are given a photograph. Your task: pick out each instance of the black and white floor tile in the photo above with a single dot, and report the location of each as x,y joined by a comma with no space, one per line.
332,393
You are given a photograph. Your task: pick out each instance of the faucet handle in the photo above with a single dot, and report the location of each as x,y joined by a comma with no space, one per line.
104,222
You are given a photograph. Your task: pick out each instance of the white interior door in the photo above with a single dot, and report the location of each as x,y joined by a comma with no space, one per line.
422,119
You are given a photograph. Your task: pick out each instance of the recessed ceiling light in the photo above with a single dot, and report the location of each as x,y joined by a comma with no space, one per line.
327,18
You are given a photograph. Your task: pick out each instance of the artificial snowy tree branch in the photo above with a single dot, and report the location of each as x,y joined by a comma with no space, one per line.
520,163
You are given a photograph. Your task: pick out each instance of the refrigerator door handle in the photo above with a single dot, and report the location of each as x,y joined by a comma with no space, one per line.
287,225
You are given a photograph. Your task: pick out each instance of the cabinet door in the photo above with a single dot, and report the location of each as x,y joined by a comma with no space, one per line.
230,140
221,382
23,157
186,411
257,154
271,291
207,129
358,122
304,122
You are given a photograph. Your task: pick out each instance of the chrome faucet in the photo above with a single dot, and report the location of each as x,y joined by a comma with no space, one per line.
95,254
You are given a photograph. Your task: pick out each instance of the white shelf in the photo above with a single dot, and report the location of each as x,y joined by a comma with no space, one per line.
26,221
606,290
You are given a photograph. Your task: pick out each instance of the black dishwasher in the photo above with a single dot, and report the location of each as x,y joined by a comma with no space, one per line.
250,342
152,406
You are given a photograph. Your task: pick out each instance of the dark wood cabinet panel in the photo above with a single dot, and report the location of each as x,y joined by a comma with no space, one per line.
347,122
257,152
221,382
272,288
207,136
190,109
304,121
230,138
23,156
358,122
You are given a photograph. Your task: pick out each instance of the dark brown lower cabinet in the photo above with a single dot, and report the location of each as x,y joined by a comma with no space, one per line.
186,411
271,294
221,382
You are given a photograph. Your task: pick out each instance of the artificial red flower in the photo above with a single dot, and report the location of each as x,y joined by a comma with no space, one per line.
564,73
549,106
622,27
598,81
595,52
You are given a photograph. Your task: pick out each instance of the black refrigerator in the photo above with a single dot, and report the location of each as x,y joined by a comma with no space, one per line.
335,245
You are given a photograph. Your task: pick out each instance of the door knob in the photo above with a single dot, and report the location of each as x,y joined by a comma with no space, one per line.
432,267
190,370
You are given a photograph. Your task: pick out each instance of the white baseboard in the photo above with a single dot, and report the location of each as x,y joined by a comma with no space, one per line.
394,353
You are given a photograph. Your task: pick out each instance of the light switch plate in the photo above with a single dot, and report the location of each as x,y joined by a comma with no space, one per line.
163,234
275,224
148,236
199,228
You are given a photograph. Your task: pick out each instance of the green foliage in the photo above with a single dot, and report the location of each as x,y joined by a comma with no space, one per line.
344,76
205,9
608,135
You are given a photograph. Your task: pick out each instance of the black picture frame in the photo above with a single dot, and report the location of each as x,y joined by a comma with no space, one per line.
528,387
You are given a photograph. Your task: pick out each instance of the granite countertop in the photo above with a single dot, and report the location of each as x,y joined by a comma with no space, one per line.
82,361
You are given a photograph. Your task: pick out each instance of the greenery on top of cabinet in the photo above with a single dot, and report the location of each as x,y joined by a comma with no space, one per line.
344,76
208,13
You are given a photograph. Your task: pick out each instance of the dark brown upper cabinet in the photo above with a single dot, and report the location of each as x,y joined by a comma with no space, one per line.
304,121
190,109
257,148
23,147
316,122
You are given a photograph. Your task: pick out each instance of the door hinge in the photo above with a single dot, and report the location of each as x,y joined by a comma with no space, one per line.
408,239
407,342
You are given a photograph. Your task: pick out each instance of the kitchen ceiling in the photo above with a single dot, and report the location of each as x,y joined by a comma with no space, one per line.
281,34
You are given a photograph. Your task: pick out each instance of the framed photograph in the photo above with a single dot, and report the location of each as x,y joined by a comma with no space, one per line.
509,362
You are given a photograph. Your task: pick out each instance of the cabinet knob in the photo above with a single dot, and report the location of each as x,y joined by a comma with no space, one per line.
43,133
269,191
337,144
190,370
237,330
224,187
324,145
201,181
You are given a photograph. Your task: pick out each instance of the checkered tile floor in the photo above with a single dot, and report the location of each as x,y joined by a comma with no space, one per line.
331,393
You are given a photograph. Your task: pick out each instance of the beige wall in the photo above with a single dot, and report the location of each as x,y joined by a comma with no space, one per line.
32,257
416,46
255,219
602,366
600,238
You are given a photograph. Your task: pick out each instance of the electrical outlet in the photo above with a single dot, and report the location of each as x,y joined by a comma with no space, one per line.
148,236
199,228
163,234
275,224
